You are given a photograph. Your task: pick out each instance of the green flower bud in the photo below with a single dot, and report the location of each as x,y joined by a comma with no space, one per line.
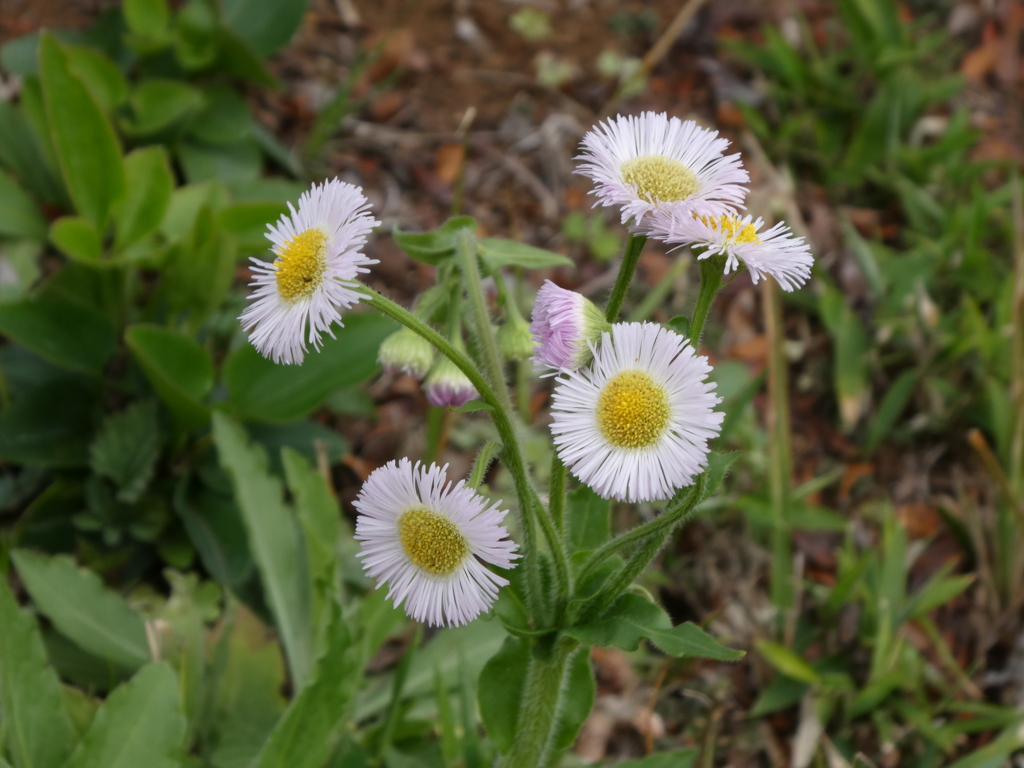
406,351
514,338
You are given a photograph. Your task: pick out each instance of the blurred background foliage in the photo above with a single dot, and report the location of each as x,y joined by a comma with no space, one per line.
166,495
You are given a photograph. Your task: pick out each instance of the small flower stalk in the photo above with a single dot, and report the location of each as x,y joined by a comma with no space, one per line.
565,327
405,351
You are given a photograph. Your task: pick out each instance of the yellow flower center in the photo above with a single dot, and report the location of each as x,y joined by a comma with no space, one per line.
432,541
660,178
301,265
632,411
732,227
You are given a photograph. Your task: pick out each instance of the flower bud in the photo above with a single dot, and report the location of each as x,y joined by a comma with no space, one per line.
447,385
564,326
514,339
406,351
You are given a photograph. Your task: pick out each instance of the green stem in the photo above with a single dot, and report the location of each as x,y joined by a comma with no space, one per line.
436,418
465,246
513,459
779,455
556,492
667,519
711,271
647,551
538,711
634,245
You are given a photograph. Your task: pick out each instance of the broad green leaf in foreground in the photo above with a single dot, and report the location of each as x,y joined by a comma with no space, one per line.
36,731
67,335
273,538
178,369
90,157
74,599
140,724
260,390
303,736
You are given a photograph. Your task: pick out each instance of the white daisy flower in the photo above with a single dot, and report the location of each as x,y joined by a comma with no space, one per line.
297,297
775,252
634,425
428,541
653,162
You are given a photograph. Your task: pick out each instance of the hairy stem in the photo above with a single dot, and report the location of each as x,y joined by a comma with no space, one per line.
634,245
538,711
556,492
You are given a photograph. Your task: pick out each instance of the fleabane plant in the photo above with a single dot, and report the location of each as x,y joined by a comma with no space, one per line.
633,414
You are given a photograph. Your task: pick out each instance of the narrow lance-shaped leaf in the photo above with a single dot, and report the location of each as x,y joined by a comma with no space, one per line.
302,738
140,723
274,540
36,731
74,599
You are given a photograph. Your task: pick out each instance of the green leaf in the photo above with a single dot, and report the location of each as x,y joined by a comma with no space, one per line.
67,335
24,153
577,699
199,272
147,18
781,693
150,183
247,221
680,324
159,104
937,592
889,410
248,701
101,76
240,161
787,662
217,531
850,369
75,600
19,216
303,737
496,252
126,449
679,758
36,731
633,618
224,118
273,539
77,239
140,723
433,247
501,693
266,25
451,651
260,390
179,370
49,424
588,520
319,516
90,157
